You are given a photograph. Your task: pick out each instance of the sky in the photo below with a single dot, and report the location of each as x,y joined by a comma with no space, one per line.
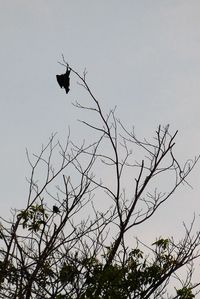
141,56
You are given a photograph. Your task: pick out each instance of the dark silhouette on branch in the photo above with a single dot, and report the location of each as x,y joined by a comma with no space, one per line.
56,209
64,80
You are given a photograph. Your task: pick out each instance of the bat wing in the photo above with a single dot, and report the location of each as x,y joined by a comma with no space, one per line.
66,84
60,80
64,80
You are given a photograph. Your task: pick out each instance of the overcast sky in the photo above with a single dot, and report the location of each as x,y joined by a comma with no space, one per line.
143,56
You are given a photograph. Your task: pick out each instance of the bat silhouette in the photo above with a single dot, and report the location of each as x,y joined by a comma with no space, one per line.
64,80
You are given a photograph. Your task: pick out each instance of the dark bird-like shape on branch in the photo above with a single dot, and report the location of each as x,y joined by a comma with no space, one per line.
56,209
64,80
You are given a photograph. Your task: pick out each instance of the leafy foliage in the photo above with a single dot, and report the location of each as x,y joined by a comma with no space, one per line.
33,218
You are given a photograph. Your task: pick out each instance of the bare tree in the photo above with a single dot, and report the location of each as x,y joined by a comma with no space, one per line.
70,239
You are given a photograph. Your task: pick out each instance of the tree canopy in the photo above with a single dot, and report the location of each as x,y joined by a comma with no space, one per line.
70,239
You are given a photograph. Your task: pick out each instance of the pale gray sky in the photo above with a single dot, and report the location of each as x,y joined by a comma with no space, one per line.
143,56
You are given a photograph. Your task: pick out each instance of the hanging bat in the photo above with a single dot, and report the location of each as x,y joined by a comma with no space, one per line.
64,80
